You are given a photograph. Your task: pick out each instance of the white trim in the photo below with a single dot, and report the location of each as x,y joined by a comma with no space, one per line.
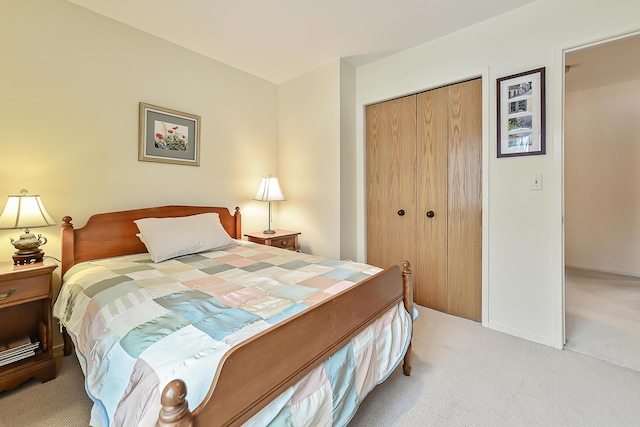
559,336
486,156
518,333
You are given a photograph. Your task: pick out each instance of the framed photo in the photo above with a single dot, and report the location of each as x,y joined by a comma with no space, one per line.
521,114
168,136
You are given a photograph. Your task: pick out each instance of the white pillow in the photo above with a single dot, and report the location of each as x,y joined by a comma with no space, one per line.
167,238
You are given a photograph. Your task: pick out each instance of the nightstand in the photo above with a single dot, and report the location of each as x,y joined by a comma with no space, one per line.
282,239
25,311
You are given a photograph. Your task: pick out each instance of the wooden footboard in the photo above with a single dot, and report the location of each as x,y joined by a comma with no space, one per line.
245,383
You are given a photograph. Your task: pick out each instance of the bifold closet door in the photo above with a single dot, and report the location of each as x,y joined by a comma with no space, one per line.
465,200
450,199
432,209
391,181
424,200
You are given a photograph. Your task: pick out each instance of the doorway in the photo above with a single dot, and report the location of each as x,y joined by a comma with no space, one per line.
602,200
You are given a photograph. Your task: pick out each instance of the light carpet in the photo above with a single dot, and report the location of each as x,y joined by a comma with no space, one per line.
61,402
463,375
467,375
602,313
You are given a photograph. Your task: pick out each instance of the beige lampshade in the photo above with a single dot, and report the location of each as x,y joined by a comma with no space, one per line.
24,211
269,190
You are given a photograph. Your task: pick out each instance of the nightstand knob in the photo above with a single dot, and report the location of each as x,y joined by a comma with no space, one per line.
283,243
5,295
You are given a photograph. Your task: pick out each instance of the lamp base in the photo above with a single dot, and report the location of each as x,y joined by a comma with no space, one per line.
28,248
269,231
27,258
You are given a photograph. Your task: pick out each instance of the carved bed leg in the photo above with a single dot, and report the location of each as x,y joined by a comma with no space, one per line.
175,408
408,305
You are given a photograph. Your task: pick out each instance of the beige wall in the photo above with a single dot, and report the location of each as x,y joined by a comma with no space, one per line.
70,85
522,233
309,125
602,178
348,162
317,151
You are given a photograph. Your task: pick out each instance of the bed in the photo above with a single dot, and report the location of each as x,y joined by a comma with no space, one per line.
255,373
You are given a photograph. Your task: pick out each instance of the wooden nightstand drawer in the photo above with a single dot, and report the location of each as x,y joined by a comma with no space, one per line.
282,239
284,243
24,290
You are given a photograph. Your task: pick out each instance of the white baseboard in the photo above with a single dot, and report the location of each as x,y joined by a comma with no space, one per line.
602,270
523,335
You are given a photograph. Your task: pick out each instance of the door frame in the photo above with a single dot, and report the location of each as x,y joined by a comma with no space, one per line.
559,339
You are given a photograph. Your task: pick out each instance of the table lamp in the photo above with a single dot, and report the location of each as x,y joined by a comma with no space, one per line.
25,211
269,191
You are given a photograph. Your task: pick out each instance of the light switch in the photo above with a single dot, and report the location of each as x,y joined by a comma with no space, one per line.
536,181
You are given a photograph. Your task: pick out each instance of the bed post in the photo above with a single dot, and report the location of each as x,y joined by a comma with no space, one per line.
238,219
175,407
67,237
407,286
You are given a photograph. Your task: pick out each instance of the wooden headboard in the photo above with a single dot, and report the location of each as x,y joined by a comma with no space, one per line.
113,234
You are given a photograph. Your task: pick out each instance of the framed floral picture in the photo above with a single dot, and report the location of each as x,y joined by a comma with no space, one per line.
521,114
168,136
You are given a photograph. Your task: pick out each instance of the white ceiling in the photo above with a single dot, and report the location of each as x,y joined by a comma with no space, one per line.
281,39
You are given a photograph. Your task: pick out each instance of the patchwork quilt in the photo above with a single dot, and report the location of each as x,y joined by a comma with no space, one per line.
137,325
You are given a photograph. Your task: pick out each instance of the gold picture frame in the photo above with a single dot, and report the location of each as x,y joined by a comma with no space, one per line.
168,136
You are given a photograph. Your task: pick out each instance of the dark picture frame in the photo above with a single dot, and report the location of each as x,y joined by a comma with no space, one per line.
521,114
168,136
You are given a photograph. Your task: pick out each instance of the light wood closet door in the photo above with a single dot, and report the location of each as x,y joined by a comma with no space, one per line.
424,156
431,290
391,181
450,199
465,200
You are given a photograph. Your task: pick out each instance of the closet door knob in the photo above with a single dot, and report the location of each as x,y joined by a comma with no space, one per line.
431,214
401,212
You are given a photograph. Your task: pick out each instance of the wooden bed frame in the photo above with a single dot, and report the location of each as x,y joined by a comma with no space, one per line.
244,383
